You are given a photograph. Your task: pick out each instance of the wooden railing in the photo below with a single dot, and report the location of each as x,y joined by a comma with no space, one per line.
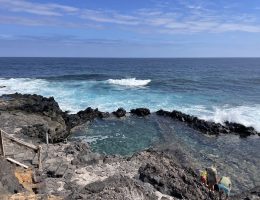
36,149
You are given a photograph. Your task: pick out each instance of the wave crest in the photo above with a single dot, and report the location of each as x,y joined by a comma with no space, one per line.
131,82
246,115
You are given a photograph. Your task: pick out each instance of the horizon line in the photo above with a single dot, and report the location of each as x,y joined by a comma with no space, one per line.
128,57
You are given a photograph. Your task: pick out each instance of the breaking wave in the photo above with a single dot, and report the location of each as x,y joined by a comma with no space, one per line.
131,82
246,115
77,95
22,85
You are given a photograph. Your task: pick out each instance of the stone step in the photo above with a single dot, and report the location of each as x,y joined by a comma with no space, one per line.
61,170
52,168
56,170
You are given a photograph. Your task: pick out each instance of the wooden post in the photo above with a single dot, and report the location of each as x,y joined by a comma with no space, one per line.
16,162
2,143
39,158
47,138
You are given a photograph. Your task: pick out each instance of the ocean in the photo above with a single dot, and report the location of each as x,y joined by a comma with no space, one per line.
215,89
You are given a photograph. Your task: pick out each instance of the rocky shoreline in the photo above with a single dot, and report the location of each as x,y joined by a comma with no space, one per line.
59,124
72,171
210,128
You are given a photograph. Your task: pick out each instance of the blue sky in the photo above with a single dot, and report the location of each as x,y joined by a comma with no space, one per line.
130,28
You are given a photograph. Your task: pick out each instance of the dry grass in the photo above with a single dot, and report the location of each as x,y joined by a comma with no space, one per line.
25,177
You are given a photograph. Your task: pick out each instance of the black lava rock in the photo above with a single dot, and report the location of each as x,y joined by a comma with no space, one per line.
141,112
208,127
120,112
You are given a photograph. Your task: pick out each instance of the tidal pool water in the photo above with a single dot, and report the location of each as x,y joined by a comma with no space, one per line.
234,157
124,137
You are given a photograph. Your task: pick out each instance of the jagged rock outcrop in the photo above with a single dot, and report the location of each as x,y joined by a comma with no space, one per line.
160,176
89,158
57,134
171,178
76,147
35,116
240,129
32,104
141,112
115,188
120,112
209,127
82,117
9,184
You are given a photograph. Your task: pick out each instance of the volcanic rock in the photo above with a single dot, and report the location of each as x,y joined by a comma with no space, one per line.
141,112
208,127
115,188
253,194
77,147
89,158
82,117
172,179
37,116
120,112
9,184
32,104
34,115
41,130
242,130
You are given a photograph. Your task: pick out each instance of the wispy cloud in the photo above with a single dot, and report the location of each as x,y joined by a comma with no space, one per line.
71,40
47,9
109,17
6,36
50,22
187,16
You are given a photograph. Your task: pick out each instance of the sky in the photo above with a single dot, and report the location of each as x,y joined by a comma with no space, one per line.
130,28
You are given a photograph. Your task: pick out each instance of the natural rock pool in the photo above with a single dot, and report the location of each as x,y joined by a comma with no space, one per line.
234,157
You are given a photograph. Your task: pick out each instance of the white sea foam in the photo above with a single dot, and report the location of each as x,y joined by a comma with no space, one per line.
22,85
246,115
131,82
77,96
91,139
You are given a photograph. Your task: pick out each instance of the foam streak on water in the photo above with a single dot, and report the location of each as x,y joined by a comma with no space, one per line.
131,82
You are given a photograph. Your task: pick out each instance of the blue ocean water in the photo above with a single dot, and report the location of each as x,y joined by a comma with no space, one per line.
216,89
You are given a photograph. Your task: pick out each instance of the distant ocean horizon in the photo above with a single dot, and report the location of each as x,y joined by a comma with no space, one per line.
215,89
134,57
